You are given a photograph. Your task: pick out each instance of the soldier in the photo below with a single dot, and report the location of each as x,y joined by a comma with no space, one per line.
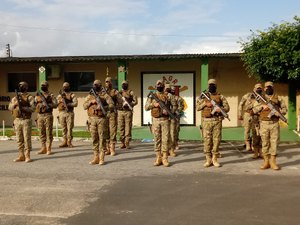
212,123
250,120
161,122
269,125
66,102
45,103
97,104
112,118
22,106
125,112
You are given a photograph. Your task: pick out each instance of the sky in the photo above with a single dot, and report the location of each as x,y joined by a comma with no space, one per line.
131,27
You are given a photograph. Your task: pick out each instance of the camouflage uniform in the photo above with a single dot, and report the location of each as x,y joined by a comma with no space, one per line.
269,127
66,102
212,123
161,123
125,115
98,121
22,121
250,121
45,117
179,113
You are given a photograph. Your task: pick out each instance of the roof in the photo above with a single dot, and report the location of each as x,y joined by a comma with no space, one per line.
104,58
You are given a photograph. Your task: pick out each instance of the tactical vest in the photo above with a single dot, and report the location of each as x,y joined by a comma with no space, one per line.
68,99
156,112
128,97
40,108
113,95
206,112
24,102
93,110
264,113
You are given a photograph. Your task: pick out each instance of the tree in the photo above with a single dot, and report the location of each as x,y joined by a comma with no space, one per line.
274,54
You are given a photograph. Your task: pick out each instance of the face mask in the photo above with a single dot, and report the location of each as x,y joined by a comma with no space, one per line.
212,88
44,88
23,89
160,89
124,86
168,90
259,91
173,92
269,91
66,89
96,88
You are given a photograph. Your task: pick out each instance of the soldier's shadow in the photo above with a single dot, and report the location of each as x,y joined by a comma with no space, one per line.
55,155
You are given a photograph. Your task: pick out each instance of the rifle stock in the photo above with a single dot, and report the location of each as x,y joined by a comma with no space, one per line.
99,103
63,94
43,99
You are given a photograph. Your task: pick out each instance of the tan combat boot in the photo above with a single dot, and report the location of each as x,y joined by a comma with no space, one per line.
122,145
112,149
158,160
273,163
215,160
21,157
95,159
266,164
165,159
127,145
172,153
27,157
208,162
107,152
43,149
69,143
248,145
49,148
255,154
63,144
101,157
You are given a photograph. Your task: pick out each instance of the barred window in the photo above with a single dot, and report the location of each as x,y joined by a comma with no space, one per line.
80,81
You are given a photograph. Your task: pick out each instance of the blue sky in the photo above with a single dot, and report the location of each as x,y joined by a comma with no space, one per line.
101,27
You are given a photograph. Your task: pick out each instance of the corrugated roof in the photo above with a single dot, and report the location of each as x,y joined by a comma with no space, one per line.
101,58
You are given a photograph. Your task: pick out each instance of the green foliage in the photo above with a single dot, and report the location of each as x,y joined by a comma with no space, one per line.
274,54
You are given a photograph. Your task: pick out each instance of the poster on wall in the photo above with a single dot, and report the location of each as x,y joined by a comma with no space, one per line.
184,84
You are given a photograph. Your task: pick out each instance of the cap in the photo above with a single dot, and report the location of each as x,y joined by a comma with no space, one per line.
269,83
23,84
212,81
97,82
66,84
108,79
258,85
45,83
168,85
125,82
159,82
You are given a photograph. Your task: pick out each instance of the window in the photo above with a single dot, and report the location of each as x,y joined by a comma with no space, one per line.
15,78
80,81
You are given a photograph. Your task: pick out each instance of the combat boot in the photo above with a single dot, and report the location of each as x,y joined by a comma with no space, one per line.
112,149
63,144
43,149
107,152
248,146
158,160
266,164
255,154
95,159
208,162
127,145
165,159
273,163
27,156
101,158
172,153
69,143
21,157
215,161
122,145
49,148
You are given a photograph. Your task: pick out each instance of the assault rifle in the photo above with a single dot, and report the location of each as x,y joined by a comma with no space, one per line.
19,105
215,105
98,100
274,111
63,94
162,105
44,100
127,103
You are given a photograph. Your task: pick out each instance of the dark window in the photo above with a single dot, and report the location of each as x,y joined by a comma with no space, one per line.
80,81
15,78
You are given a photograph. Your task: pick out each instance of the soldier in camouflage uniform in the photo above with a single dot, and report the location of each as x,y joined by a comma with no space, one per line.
66,102
98,121
269,125
250,120
112,117
161,123
22,111
125,113
212,123
45,103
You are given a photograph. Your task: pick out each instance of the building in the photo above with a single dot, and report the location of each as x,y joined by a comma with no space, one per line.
188,72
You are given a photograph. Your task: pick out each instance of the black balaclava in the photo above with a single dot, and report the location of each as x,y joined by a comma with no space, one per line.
124,86
97,87
269,90
259,91
212,88
44,88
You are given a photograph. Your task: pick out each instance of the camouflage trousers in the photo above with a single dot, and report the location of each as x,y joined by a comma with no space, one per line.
256,139
212,135
99,133
247,124
177,132
251,125
161,132
45,125
66,120
23,133
269,132
125,125
112,127
173,134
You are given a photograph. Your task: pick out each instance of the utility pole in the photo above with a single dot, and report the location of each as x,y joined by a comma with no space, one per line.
8,51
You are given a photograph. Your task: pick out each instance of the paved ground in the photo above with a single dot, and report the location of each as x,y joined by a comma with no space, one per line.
64,189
